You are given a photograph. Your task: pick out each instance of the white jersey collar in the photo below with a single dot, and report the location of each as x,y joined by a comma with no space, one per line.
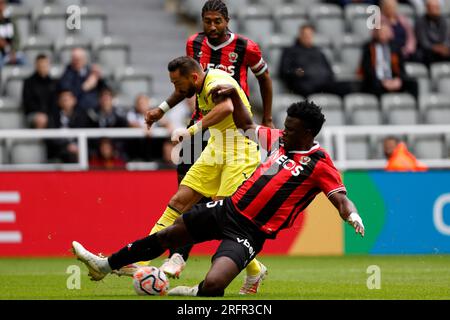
222,45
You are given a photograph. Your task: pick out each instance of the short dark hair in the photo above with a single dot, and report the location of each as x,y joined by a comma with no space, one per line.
307,26
184,64
216,5
310,114
41,56
396,139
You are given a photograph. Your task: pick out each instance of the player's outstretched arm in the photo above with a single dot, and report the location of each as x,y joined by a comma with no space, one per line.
222,109
347,211
157,113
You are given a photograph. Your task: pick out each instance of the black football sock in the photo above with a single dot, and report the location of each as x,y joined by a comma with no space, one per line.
144,249
184,251
202,293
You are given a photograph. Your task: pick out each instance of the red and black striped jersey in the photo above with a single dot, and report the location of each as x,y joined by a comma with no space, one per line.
285,184
235,56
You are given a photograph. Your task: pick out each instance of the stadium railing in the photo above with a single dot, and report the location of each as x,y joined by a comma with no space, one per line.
333,139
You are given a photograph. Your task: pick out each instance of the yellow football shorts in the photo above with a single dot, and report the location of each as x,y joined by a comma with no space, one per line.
218,174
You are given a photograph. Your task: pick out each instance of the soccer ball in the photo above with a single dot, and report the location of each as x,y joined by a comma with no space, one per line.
150,281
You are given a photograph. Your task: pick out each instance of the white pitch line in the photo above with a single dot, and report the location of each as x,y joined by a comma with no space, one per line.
9,197
10,237
7,216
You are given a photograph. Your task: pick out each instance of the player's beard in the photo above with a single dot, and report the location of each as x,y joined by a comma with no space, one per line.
190,92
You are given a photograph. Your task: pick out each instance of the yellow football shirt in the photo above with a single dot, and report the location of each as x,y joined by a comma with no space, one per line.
223,134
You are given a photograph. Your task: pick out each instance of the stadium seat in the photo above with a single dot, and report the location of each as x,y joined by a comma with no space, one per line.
356,18
289,19
439,70
280,104
93,24
273,48
350,52
125,102
328,19
57,70
133,81
235,5
112,52
22,15
399,108
305,3
277,86
429,146
51,22
67,3
28,151
192,9
12,80
11,119
269,3
436,109
362,109
257,22
64,48
331,107
324,43
33,3
419,72
36,45
343,72
357,148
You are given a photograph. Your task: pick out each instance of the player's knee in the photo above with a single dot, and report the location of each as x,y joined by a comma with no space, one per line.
177,202
212,286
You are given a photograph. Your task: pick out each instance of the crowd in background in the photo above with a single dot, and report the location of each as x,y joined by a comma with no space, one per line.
305,69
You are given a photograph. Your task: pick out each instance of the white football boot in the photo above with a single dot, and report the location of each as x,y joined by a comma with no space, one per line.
94,263
252,283
184,291
173,266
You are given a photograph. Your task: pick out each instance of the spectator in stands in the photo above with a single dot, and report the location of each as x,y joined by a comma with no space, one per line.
106,157
38,95
433,34
382,66
403,32
305,70
149,148
68,116
84,80
9,39
106,115
399,158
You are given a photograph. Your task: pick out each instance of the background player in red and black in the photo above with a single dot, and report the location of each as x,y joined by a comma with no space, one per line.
296,170
218,47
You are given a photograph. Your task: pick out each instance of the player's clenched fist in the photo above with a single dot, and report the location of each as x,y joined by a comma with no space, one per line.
152,116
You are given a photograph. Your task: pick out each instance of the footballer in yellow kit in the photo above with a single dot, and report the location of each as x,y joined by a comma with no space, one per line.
227,161
229,158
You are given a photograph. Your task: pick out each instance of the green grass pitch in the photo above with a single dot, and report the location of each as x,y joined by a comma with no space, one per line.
402,277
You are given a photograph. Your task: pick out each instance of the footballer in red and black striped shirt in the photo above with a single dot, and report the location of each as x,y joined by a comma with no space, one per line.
296,170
